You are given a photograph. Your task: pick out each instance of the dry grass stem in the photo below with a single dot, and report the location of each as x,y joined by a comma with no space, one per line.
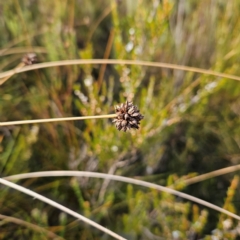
28,59
17,50
106,12
19,66
47,120
212,174
20,39
106,56
49,234
123,62
186,91
59,206
122,179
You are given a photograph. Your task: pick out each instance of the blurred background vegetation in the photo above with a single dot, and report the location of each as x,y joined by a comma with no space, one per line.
190,126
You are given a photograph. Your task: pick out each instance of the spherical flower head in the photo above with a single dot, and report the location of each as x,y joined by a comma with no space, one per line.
128,116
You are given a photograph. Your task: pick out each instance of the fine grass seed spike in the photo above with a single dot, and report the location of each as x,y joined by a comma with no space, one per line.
128,116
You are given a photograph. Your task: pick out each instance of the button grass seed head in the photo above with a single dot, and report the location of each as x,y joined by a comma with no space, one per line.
128,116
29,58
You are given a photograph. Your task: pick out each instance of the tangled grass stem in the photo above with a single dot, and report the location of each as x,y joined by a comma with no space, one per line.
47,120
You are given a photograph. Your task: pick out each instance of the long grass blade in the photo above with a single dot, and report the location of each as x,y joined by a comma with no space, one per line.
115,61
59,206
122,179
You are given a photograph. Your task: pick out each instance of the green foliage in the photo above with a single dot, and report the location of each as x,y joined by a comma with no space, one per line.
190,126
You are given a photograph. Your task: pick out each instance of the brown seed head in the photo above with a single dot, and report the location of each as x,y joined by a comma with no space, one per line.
128,116
29,58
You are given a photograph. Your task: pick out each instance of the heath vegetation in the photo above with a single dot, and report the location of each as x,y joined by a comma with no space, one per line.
166,73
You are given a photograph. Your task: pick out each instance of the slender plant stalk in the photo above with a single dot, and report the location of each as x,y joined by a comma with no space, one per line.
21,39
183,93
11,60
29,225
17,50
61,207
116,61
93,28
106,56
122,179
212,174
47,120
19,66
